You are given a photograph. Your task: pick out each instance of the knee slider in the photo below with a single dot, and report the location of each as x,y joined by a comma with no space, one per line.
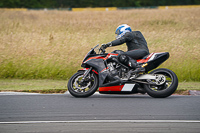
123,58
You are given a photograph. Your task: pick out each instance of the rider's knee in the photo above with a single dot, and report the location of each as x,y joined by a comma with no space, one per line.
123,58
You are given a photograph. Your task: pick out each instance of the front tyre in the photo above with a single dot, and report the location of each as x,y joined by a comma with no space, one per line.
167,88
85,88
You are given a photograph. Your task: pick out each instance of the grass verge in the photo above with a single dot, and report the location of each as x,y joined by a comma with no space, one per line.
60,86
38,86
52,44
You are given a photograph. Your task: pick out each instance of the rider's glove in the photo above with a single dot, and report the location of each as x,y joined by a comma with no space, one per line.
106,45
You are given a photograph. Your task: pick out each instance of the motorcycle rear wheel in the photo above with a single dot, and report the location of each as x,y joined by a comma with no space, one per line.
166,89
82,89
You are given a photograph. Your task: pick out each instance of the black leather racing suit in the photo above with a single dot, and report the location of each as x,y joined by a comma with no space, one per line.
137,48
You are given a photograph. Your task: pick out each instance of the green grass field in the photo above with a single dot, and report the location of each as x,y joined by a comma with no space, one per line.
52,44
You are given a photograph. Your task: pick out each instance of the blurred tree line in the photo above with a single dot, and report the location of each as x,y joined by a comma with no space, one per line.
91,3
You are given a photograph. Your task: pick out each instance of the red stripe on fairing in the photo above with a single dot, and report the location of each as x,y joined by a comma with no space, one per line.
100,57
97,57
110,54
145,60
103,69
111,88
84,69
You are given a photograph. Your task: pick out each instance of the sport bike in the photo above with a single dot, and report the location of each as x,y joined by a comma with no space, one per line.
103,72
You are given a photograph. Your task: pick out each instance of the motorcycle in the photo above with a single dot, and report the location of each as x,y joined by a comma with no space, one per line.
103,72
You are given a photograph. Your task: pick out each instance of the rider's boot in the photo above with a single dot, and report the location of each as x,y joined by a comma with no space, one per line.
136,70
135,67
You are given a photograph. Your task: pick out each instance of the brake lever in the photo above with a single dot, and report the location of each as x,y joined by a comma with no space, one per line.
102,50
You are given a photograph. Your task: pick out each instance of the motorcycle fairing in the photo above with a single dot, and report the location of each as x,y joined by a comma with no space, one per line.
84,69
126,88
145,59
98,62
99,56
99,65
110,55
91,57
154,60
118,86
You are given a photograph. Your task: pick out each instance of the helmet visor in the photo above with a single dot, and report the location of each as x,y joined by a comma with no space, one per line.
117,31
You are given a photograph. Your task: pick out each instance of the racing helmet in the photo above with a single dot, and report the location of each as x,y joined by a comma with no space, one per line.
121,30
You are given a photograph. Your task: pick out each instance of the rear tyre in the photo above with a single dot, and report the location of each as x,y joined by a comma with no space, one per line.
166,89
88,87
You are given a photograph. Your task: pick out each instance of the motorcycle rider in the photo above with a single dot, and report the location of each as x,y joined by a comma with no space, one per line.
136,44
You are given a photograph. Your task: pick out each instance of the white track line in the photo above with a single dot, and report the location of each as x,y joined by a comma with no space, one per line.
105,121
18,93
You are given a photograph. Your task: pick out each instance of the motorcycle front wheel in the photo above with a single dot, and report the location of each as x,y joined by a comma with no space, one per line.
83,88
167,88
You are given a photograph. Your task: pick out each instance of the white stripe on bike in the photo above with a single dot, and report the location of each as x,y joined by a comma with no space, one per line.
128,87
105,121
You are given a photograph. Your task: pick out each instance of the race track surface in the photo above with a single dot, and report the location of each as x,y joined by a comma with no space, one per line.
130,111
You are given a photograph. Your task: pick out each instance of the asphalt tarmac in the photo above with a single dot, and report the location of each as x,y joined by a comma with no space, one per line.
22,112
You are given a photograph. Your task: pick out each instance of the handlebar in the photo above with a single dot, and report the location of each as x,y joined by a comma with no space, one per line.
102,50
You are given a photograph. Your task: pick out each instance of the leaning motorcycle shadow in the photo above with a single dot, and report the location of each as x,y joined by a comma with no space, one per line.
122,96
119,96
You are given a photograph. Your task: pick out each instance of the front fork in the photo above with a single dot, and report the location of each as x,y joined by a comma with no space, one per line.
86,74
